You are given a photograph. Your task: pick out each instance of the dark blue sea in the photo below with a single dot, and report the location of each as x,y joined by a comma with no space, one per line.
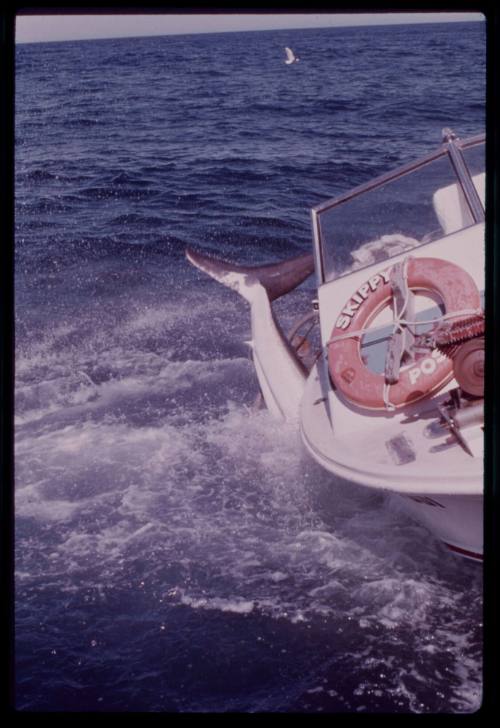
176,549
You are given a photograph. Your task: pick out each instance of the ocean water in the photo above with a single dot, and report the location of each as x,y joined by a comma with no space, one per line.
176,549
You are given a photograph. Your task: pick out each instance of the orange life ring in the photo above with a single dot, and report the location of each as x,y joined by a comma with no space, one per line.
350,375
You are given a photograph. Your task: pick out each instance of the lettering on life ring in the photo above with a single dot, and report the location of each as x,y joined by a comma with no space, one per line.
357,299
426,366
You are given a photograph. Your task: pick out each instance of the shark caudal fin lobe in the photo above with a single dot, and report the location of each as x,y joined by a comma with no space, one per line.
276,278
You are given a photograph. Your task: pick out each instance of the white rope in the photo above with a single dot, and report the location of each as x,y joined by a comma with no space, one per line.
397,324
397,316
397,320
385,392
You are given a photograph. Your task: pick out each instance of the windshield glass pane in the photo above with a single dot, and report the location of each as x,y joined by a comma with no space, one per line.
397,215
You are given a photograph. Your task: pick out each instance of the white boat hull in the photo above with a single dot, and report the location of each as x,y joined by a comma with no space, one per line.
457,521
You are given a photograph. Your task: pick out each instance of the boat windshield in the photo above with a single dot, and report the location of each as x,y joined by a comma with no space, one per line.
400,211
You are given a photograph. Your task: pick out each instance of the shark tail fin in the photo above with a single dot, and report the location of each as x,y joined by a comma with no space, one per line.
277,278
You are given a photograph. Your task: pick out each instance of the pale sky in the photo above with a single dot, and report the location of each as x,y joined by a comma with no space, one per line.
40,28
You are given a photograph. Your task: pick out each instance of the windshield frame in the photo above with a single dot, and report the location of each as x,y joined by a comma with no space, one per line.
451,147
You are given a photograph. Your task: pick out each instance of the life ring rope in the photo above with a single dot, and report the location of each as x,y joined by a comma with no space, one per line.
385,393
398,317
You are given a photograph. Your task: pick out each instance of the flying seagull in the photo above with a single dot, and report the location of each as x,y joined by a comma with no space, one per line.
290,56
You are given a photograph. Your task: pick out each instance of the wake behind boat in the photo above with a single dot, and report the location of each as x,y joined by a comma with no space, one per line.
393,396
